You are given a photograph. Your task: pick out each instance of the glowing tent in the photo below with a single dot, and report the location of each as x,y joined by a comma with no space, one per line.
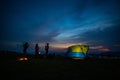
77,51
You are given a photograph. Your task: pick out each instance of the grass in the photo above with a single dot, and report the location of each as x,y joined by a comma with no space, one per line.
58,68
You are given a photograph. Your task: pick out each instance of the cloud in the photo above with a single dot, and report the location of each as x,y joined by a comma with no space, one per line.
104,50
92,22
117,45
100,48
91,25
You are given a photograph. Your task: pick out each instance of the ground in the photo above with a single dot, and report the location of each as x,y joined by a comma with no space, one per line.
58,68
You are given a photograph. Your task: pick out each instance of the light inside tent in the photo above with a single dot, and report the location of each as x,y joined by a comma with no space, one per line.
77,51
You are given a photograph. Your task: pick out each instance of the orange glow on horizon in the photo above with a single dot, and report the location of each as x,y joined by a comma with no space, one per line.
100,48
96,47
105,49
63,46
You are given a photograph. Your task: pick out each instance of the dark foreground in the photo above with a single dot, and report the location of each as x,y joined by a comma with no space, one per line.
58,68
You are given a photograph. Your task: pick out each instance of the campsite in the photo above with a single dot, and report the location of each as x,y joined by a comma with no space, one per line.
57,68
60,39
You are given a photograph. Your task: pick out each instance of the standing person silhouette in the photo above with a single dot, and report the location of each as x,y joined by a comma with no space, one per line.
36,50
25,47
46,48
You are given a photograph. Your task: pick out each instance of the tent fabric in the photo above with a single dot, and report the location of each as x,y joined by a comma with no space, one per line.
77,51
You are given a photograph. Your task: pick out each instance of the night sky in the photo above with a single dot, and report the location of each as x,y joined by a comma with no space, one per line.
62,23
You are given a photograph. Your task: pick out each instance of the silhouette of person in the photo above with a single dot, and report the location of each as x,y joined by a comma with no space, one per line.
46,48
36,50
25,46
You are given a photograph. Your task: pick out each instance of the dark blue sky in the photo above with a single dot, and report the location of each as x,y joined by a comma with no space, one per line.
61,23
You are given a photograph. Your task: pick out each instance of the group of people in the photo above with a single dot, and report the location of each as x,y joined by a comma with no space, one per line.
26,45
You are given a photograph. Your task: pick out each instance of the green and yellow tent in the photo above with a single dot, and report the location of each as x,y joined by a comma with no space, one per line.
77,51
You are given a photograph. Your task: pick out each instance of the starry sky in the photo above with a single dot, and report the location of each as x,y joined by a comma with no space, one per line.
61,23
